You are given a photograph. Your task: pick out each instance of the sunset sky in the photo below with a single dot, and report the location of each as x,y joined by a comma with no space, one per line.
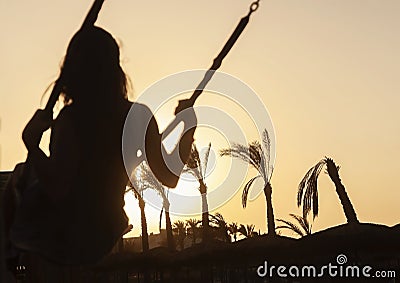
327,71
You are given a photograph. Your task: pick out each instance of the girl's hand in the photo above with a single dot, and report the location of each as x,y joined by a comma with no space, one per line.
35,128
183,105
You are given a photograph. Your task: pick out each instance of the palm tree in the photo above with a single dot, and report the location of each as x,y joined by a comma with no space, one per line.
149,181
180,230
303,227
307,193
139,196
221,227
193,226
197,167
258,156
233,230
247,231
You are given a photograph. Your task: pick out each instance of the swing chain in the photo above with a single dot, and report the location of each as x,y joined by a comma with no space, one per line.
254,6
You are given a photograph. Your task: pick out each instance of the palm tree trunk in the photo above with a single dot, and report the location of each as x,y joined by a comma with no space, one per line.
159,222
181,238
192,229
270,210
227,237
182,242
145,236
348,207
194,235
204,216
168,227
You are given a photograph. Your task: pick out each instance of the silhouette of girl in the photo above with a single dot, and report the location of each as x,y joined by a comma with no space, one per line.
74,214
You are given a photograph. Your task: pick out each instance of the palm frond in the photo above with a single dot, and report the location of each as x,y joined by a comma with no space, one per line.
233,228
267,153
218,220
194,157
179,225
256,155
267,145
192,171
135,180
205,160
250,229
134,191
291,226
192,222
149,181
243,230
304,223
241,152
246,190
308,190
247,230
193,164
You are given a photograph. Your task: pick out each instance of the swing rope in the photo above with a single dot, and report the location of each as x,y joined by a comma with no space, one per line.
225,50
215,65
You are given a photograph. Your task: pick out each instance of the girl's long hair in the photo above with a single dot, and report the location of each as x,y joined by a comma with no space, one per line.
91,69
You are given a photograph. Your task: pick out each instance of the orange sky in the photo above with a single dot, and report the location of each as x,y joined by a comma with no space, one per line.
328,72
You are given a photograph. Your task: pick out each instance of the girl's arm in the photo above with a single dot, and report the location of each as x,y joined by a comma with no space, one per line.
168,167
56,172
